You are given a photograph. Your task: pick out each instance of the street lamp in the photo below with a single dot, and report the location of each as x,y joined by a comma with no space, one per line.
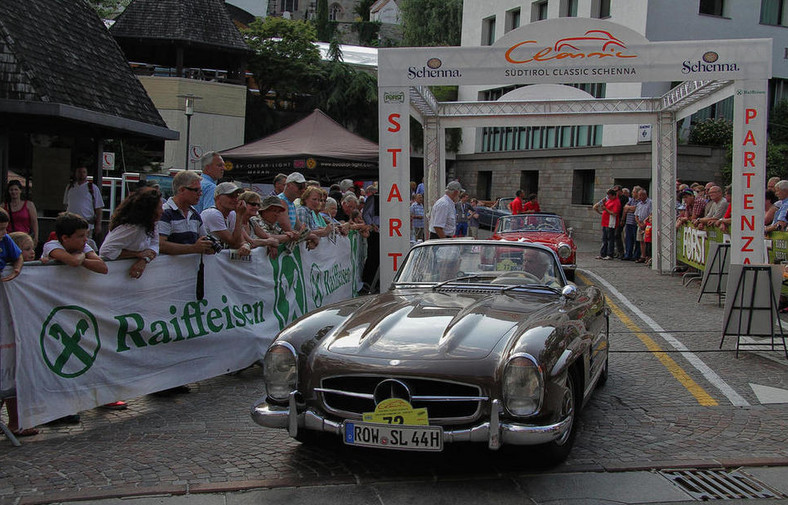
189,111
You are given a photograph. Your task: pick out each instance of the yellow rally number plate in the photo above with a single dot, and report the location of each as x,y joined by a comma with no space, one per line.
397,411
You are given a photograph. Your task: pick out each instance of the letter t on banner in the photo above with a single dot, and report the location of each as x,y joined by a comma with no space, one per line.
749,172
394,171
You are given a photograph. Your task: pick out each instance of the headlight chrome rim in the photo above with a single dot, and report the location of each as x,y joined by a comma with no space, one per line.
564,250
530,404
279,382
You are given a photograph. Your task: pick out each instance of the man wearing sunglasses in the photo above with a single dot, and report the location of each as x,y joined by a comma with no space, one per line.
180,228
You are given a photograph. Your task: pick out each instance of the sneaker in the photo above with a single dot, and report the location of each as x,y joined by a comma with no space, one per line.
607,258
115,406
600,258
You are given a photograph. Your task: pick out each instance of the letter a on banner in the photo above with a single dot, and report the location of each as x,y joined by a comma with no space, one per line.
749,172
394,163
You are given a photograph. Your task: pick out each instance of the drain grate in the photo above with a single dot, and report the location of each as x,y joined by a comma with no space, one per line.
719,484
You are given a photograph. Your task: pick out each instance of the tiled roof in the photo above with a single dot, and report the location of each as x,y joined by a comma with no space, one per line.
60,52
197,22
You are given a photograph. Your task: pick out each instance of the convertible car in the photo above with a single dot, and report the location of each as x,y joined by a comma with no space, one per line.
546,229
488,216
476,341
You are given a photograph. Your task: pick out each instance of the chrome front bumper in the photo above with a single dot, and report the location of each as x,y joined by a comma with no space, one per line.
494,432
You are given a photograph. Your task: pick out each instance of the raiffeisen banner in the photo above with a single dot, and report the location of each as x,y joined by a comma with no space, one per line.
581,50
71,339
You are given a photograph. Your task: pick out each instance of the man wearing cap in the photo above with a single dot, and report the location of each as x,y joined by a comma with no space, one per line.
294,186
443,216
223,220
180,228
267,219
212,166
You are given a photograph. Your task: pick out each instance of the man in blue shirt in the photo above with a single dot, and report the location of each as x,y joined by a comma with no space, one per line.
212,170
781,218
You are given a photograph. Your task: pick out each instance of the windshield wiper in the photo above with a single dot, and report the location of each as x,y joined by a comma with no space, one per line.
456,279
527,286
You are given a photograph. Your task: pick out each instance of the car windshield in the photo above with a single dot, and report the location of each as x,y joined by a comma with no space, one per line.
505,203
530,223
494,262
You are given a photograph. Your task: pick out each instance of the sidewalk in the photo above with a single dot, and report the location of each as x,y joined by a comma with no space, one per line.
641,487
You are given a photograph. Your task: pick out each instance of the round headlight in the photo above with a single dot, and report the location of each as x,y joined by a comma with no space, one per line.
523,385
564,251
280,371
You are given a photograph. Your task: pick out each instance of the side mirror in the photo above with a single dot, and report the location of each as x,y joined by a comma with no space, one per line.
569,292
570,231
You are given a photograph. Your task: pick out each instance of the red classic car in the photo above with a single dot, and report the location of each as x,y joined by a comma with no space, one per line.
542,228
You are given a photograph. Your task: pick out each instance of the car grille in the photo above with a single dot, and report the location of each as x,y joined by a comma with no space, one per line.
351,396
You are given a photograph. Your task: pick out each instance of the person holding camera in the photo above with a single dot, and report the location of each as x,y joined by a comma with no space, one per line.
180,229
225,219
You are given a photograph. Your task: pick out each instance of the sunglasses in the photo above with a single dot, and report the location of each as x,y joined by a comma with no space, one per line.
253,204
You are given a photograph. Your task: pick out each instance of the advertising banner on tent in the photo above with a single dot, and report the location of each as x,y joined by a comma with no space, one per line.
72,339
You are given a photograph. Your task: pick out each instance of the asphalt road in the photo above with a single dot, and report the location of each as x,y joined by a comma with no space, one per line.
673,400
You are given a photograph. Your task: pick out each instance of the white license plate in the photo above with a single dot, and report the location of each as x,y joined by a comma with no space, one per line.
392,436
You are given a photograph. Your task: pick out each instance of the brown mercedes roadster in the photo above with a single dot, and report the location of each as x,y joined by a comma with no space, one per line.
476,341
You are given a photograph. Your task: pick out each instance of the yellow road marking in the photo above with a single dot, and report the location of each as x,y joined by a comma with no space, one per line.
693,387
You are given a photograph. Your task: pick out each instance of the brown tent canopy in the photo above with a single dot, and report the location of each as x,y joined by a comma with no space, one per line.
317,146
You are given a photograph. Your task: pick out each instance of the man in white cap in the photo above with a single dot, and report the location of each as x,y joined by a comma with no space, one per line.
223,220
294,187
443,218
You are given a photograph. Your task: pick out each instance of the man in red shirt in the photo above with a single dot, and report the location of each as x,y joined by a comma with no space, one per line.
609,208
517,204
531,205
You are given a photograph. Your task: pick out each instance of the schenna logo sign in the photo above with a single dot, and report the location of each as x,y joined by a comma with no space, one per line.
432,68
709,62
70,341
593,44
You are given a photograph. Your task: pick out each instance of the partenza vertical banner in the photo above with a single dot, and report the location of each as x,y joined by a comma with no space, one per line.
749,172
394,114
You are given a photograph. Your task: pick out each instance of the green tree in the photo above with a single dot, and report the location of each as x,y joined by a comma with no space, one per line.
349,96
108,9
286,60
322,24
367,30
431,22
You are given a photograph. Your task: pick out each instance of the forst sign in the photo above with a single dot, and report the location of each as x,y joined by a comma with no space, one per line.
577,50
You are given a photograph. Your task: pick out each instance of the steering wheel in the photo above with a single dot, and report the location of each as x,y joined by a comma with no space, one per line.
518,274
460,273
545,227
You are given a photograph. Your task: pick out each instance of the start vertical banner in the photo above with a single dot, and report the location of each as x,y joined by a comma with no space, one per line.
394,114
749,172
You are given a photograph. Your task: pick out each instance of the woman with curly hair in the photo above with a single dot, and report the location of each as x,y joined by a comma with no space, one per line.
133,230
309,211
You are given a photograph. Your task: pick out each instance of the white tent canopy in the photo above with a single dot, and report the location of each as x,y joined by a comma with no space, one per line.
577,50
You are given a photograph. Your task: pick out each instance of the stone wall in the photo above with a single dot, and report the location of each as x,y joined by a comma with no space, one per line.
625,165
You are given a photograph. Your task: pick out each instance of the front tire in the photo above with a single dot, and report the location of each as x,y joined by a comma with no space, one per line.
555,452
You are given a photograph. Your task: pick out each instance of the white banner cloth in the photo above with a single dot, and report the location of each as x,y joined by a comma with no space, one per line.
71,339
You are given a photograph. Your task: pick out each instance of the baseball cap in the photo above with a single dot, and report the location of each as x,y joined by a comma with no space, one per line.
226,188
685,192
271,201
296,177
454,186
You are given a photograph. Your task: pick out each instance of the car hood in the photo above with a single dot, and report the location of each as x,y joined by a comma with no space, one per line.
426,325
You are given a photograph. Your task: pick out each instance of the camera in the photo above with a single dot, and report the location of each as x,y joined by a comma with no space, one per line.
215,243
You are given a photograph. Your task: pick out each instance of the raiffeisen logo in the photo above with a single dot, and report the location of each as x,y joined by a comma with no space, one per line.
433,69
609,46
709,62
